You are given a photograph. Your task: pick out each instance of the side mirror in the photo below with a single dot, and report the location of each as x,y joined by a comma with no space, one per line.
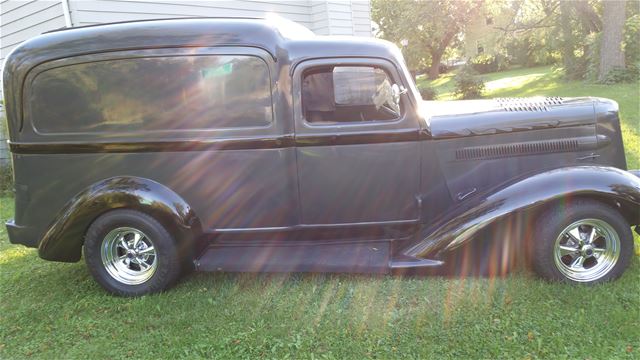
396,91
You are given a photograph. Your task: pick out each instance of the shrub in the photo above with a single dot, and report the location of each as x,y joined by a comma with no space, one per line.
6,180
468,84
620,74
6,173
484,63
427,92
631,40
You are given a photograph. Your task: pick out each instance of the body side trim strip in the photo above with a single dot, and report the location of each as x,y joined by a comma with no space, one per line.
284,141
317,226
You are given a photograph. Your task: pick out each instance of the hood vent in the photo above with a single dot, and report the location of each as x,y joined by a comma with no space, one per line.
528,104
516,149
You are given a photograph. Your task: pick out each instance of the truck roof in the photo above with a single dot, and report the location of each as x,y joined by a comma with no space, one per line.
279,37
286,41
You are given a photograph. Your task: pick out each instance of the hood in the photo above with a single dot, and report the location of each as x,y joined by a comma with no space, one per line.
450,119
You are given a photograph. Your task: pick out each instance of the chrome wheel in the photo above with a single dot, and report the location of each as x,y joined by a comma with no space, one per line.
129,256
587,250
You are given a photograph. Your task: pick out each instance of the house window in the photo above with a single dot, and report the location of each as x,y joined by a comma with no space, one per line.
347,94
480,49
489,20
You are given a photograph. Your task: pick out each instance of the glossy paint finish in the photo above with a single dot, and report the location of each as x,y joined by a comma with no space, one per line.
63,239
598,182
485,117
291,184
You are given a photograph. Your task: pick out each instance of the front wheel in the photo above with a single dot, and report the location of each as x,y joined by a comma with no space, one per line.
585,242
129,253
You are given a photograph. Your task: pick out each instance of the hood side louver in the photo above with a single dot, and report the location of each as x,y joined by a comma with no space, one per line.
516,149
528,104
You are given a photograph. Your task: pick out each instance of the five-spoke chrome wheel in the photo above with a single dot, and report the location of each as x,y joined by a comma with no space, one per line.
587,250
129,256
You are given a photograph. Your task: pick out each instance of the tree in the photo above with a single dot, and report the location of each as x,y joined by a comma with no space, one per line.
428,28
611,54
568,42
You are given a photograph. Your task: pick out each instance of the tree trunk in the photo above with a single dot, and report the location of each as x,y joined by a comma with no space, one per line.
587,16
437,52
611,55
434,68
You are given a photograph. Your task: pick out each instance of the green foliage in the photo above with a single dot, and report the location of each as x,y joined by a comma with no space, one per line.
530,50
530,37
468,84
427,92
591,62
6,180
632,40
485,63
631,47
6,172
621,75
430,28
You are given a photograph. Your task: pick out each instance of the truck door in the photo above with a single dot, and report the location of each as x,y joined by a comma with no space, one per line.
357,149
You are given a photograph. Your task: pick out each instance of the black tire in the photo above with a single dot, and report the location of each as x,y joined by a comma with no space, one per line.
554,221
168,267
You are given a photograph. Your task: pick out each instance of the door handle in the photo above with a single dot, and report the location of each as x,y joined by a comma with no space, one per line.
462,196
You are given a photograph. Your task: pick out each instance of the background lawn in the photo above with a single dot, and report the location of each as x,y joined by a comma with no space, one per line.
54,310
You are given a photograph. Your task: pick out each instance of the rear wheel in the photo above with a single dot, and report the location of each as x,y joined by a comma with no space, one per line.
586,242
129,253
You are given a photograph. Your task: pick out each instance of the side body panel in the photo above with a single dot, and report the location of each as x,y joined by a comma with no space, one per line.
612,185
236,178
470,168
434,193
359,183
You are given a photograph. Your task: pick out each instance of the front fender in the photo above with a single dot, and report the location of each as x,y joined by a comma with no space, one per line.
527,194
64,238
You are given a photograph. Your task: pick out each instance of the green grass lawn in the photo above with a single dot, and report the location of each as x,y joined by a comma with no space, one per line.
54,310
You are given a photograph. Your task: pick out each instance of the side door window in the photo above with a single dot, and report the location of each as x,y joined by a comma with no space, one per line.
332,95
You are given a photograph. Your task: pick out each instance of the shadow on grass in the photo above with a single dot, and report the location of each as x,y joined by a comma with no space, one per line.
27,275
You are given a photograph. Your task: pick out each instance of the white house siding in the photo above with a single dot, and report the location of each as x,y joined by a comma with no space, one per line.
347,17
21,20
101,11
361,11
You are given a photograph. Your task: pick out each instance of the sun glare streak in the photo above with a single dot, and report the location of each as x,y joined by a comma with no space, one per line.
329,293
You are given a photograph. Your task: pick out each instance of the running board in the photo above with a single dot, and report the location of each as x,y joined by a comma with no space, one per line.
358,257
412,263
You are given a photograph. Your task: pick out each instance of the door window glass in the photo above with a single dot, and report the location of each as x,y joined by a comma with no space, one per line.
347,94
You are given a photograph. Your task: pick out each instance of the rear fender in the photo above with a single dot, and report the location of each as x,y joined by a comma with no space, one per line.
615,185
65,236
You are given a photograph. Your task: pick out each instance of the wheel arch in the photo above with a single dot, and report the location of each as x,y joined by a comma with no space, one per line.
524,198
64,238
629,210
